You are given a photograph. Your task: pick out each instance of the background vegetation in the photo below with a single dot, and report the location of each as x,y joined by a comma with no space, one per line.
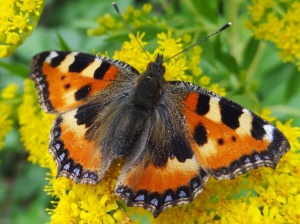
249,69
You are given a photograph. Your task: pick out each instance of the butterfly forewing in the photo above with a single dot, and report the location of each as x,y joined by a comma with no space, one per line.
66,80
227,138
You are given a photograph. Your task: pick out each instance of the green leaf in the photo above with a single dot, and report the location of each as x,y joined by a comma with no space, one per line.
208,9
62,43
292,87
249,52
16,69
229,62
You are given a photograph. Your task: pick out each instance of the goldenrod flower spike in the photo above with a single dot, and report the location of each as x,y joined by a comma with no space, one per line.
17,21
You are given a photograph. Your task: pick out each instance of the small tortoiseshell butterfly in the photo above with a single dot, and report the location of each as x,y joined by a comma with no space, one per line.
173,135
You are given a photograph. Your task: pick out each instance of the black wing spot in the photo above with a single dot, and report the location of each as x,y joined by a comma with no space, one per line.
246,159
67,86
81,62
200,134
234,166
100,72
183,192
195,183
258,131
221,141
77,170
86,114
168,196
230,114
125,192
56,61
140,197
180,147
83,92
58,145
222,171
202,105
155,200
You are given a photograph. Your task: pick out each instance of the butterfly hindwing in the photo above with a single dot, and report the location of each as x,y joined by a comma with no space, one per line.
76,156
66,80
228,139
156,188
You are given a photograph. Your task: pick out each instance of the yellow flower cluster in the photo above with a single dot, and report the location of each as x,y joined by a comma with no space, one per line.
17,19
6,111
33,120
277,21
135,17
184,66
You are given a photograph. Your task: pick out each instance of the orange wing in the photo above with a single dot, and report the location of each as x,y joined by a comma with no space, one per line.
76,156
163,170
194,134
228,139
156,187
78,87
66,80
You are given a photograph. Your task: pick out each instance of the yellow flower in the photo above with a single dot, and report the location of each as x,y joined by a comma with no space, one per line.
266,114
20,22
187,38
278,22
168,44
215,87
33,6
205,80
147,8
193,62
6,111
17,20
9,92
13,38
33,120
135,17
5,50
292,133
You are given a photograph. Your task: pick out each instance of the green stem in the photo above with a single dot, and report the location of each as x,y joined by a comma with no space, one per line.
282,109
167,7
254,64
231,8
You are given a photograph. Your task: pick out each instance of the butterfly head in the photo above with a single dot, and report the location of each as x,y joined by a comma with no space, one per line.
156,69
149,84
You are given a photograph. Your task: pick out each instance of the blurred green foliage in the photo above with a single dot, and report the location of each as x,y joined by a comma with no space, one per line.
249,69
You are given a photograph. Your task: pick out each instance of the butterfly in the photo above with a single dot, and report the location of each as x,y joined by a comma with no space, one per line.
173,135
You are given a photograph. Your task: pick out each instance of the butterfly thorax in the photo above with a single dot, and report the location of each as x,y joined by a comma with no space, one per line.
149,85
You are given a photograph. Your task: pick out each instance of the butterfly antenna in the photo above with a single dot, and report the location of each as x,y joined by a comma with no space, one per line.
128,27
201,41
